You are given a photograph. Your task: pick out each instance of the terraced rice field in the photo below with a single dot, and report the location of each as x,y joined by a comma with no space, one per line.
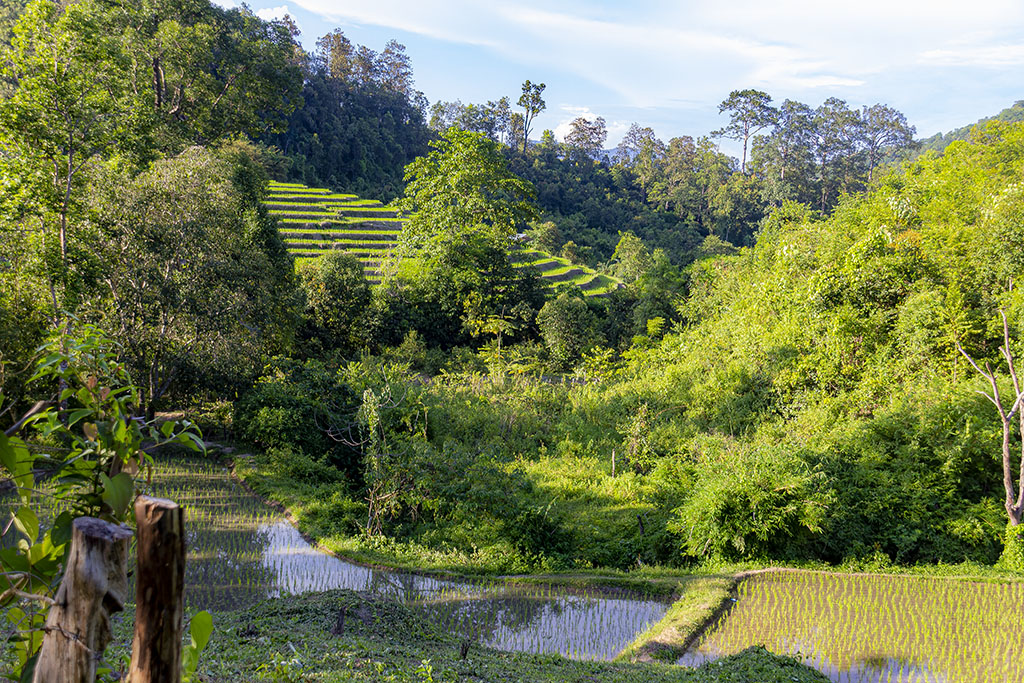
877,629
315,220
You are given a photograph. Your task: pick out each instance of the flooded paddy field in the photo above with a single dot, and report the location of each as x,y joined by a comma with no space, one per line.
877,629
241,551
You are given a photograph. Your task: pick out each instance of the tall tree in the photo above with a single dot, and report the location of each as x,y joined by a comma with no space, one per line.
587,137
69,105
196,271
464,186
785,157
209,71
642,152
334,55
838,131
750,111
395,69
883,130
532,104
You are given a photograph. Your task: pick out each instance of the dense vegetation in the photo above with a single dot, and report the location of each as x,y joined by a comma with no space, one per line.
788,373
811,404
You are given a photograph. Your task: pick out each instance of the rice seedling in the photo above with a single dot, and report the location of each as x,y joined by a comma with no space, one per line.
863,628
241,551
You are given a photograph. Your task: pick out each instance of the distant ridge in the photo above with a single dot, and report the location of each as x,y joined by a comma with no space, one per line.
940,141
315,220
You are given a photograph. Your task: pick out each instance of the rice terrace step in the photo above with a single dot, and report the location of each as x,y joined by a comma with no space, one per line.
314,221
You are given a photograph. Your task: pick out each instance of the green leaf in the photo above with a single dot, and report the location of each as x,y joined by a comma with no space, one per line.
13,561
118,492
61,531
77,415
27,523
192,441
200,628
166,428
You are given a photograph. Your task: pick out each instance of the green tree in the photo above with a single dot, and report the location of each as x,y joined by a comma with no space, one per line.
337,297
750,111
568,328
838,130
68,106
200,285
464,186
785,157
209,71
643,153
883,131
631,257
532,104
587,137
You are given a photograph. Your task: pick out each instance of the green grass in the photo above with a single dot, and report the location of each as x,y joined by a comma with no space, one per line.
291,639
703,598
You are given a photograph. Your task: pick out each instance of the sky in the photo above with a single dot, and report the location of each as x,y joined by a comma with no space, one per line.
668,65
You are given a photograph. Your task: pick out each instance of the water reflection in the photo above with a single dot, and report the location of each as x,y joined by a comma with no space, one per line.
241,551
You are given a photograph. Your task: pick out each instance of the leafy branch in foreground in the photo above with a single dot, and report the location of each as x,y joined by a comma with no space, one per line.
87,452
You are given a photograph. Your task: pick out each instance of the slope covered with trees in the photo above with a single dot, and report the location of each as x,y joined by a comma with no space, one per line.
811,403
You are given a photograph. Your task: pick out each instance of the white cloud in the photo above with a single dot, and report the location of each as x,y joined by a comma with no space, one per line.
989,56
272,13
686,55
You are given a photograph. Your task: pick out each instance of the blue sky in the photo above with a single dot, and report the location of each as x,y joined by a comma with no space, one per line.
943,63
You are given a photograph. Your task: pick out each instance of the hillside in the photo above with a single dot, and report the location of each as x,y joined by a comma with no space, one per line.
940,141
315,220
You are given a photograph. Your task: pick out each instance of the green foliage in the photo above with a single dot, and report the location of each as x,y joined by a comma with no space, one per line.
353,136
1013,548
199,278
306,411
632,260
90,448
200,629
337,296
568,328
749,504
464,186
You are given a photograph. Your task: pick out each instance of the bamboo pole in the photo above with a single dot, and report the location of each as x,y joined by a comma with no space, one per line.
160,583
94,586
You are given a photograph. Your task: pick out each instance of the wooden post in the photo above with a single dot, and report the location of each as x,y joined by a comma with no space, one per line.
94,586
160,583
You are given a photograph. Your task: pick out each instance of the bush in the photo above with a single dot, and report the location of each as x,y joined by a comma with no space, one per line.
303,408
1013,551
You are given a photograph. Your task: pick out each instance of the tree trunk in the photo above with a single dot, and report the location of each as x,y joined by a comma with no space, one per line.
95,586
160,582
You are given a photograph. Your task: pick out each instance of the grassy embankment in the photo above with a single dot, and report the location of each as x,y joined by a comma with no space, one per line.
299,639
314,220
698,599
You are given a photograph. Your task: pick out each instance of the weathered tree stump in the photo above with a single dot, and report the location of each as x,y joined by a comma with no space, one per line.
95,585
160,584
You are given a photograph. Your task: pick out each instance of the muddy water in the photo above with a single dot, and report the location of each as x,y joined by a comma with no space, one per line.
241,551
871,629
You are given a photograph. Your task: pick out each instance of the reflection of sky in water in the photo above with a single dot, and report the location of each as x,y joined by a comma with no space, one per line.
505,617
241,551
